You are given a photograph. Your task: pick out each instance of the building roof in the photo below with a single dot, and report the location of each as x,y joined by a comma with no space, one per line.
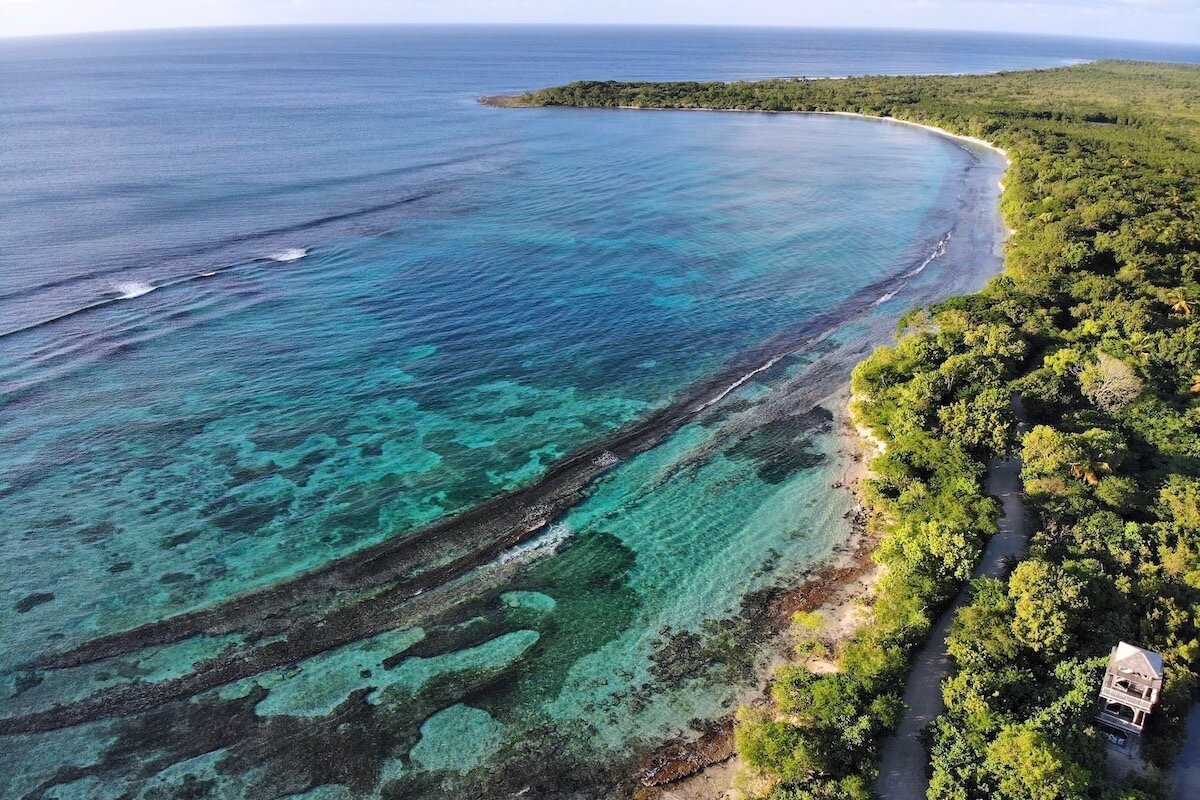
1126,656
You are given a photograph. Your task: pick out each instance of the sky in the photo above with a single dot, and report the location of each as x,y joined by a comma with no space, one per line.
1154,20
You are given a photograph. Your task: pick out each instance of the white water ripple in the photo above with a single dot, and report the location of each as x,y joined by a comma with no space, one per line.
290,254
127,290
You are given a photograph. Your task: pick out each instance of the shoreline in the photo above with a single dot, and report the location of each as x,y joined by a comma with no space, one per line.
962,137
706,768
1048,121
854,114
840,590
510,101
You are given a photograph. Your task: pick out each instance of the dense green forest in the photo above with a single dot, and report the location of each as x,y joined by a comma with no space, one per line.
1095,324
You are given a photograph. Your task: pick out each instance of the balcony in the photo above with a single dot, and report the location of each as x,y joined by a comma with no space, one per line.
1118,721
1132,696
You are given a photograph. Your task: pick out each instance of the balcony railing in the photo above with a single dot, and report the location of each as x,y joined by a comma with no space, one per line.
1126,697
1118,722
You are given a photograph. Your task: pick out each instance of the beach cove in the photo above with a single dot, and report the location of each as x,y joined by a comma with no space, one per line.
834,602
966,462
633,601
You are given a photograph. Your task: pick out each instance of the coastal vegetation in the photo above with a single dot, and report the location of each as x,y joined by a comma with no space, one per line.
1095,325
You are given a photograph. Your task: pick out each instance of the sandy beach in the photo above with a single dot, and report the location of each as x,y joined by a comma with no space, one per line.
840,592
510,102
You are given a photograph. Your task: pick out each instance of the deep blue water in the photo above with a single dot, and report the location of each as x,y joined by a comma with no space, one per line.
269,298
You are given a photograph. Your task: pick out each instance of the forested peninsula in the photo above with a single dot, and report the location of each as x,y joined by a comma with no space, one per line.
1095,325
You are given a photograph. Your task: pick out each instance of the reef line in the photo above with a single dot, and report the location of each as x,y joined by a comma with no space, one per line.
312,611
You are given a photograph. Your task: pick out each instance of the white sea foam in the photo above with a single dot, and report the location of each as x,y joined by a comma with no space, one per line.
938,252
546,543
291,254
885,297
736,384
606,459
131,289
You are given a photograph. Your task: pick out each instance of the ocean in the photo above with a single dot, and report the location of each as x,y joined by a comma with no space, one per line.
359,440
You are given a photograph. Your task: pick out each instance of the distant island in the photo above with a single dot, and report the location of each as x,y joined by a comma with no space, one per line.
1083,358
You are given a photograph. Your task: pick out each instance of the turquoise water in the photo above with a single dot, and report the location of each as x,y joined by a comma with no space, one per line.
358,440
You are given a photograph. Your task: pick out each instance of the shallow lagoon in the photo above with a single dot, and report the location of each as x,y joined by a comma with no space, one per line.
467,311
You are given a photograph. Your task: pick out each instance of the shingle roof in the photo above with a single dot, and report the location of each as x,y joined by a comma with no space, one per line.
1135,658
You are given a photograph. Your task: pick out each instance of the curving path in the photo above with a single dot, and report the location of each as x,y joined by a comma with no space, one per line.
903,772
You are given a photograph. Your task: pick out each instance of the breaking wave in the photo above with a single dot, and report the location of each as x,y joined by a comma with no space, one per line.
128,290
740,381
938,251
548,542
290,254
168,255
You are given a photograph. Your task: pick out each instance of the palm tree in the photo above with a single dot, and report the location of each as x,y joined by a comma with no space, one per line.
1090,469
1178,302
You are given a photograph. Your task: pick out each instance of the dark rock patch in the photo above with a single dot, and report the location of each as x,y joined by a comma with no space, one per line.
471,633
302,470
31,600
179,538
371,449
26,680
242,474
681,657
783,446
280,439
97,532
250,518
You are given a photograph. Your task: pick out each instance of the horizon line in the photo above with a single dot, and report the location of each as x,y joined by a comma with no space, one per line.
459,24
